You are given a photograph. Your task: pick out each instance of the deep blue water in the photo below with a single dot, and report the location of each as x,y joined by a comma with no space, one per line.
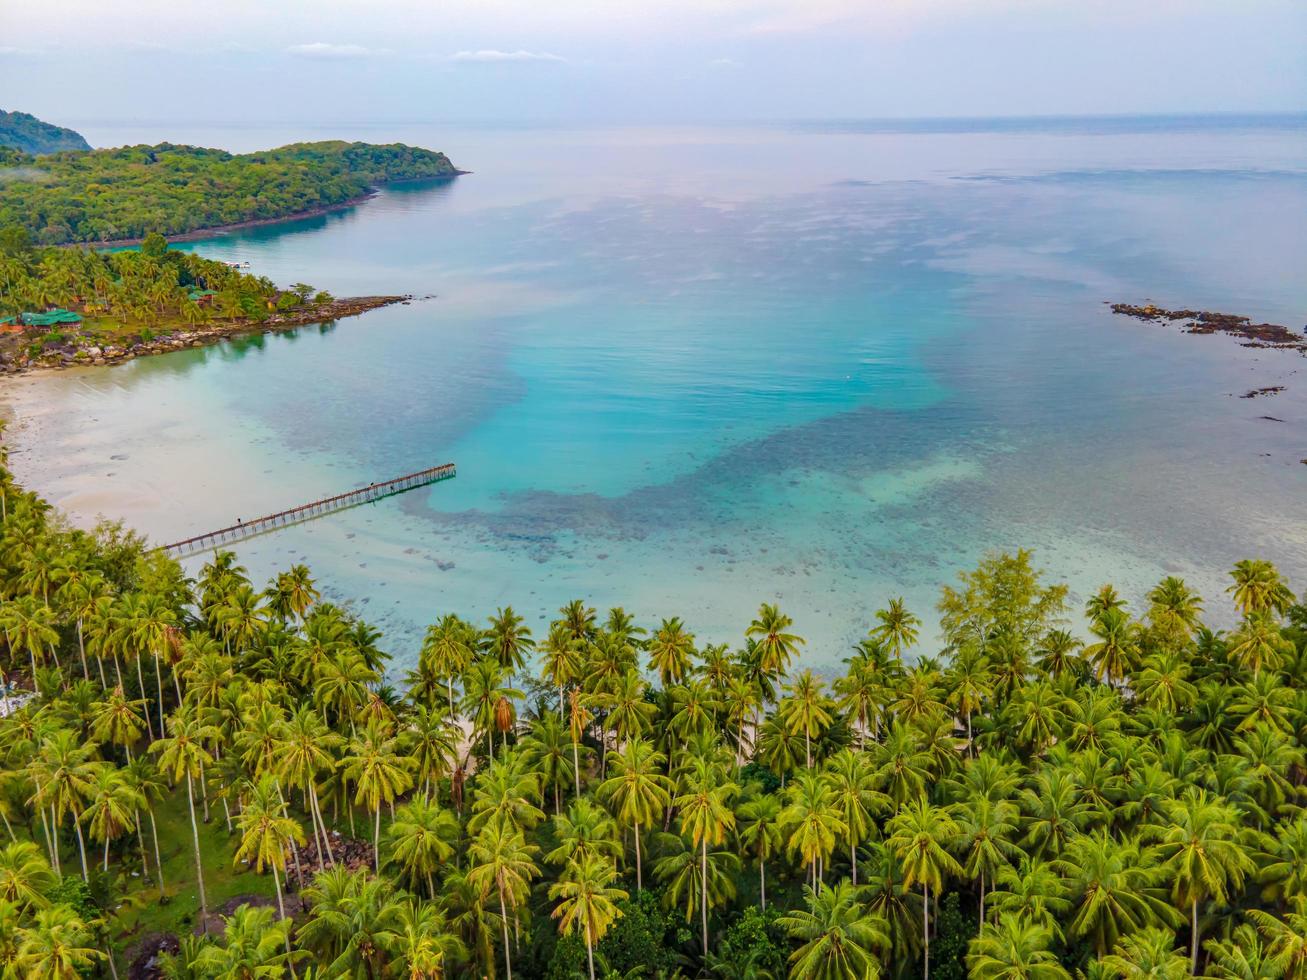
689,370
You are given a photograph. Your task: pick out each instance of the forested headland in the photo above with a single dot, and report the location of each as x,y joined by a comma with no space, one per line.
231,777
68,306
24,132
129,192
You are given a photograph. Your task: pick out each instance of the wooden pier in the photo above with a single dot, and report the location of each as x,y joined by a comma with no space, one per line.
316,508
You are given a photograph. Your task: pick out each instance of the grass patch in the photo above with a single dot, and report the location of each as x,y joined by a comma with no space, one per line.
142,912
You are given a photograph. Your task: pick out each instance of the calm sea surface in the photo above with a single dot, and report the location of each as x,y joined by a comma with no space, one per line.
687,370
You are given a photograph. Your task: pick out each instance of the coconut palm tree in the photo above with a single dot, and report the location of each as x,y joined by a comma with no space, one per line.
587,900
806,711
671,648
638,792
1116,889
1206,859
379,772
253,944
305,749
1146,955
25,876
921,834
1259,643
897,628
112,810
762,834
502,862
421,839
586,828
840,938
776,646
706,818
987,830
267,832
1014,949
1258,588
64,774
57,946
447,650
182,753
508,640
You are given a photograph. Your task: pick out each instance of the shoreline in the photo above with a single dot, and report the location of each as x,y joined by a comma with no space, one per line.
204,336
215,231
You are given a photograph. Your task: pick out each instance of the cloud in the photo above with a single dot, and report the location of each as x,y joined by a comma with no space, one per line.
723,63
321,49
492,56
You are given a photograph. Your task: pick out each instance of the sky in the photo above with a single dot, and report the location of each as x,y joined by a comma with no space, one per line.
324,61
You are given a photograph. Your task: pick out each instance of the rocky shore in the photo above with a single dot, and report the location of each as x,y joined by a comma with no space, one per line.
1250,334
16,357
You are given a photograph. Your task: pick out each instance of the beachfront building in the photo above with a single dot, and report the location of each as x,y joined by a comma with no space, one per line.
50,319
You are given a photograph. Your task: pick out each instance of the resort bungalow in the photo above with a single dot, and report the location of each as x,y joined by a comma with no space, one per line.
202,297
49,319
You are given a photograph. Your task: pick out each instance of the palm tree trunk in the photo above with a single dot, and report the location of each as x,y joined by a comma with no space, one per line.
853,859
326,838
576,765
199,870
140,840
639,880
376,840
590,954
503,920
981,923
703,893
81,649
81,847
140,679
925,932
1193,934
762,882
158,860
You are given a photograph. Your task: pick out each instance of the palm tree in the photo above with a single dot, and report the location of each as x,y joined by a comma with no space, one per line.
587,900
1258,588
183,754
1014,949
447,649
1286,939
1206,860
920,834
380,774
637,791
898,627
421,839
812,822
775,646
1115,884
508,640
840,938
1146,955
25,876
112,810
762,834
266,834
987,829
503,862
65,779
585,829
306,747
706,817
253,945
1113,655
1259,643
856,799
805,711
670,650
57,946
484,690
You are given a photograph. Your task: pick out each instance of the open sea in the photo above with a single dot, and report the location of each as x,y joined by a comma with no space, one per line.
687,370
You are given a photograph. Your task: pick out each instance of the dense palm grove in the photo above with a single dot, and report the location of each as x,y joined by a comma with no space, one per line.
616,800
152,284
106,195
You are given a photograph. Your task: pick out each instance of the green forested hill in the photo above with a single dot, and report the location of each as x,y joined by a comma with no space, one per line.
23,131
131,191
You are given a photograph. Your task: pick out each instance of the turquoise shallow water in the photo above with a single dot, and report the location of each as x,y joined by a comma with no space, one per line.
690,370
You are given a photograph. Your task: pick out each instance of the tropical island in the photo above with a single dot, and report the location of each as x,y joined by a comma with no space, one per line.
225,778
24,132
121,195
61,307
